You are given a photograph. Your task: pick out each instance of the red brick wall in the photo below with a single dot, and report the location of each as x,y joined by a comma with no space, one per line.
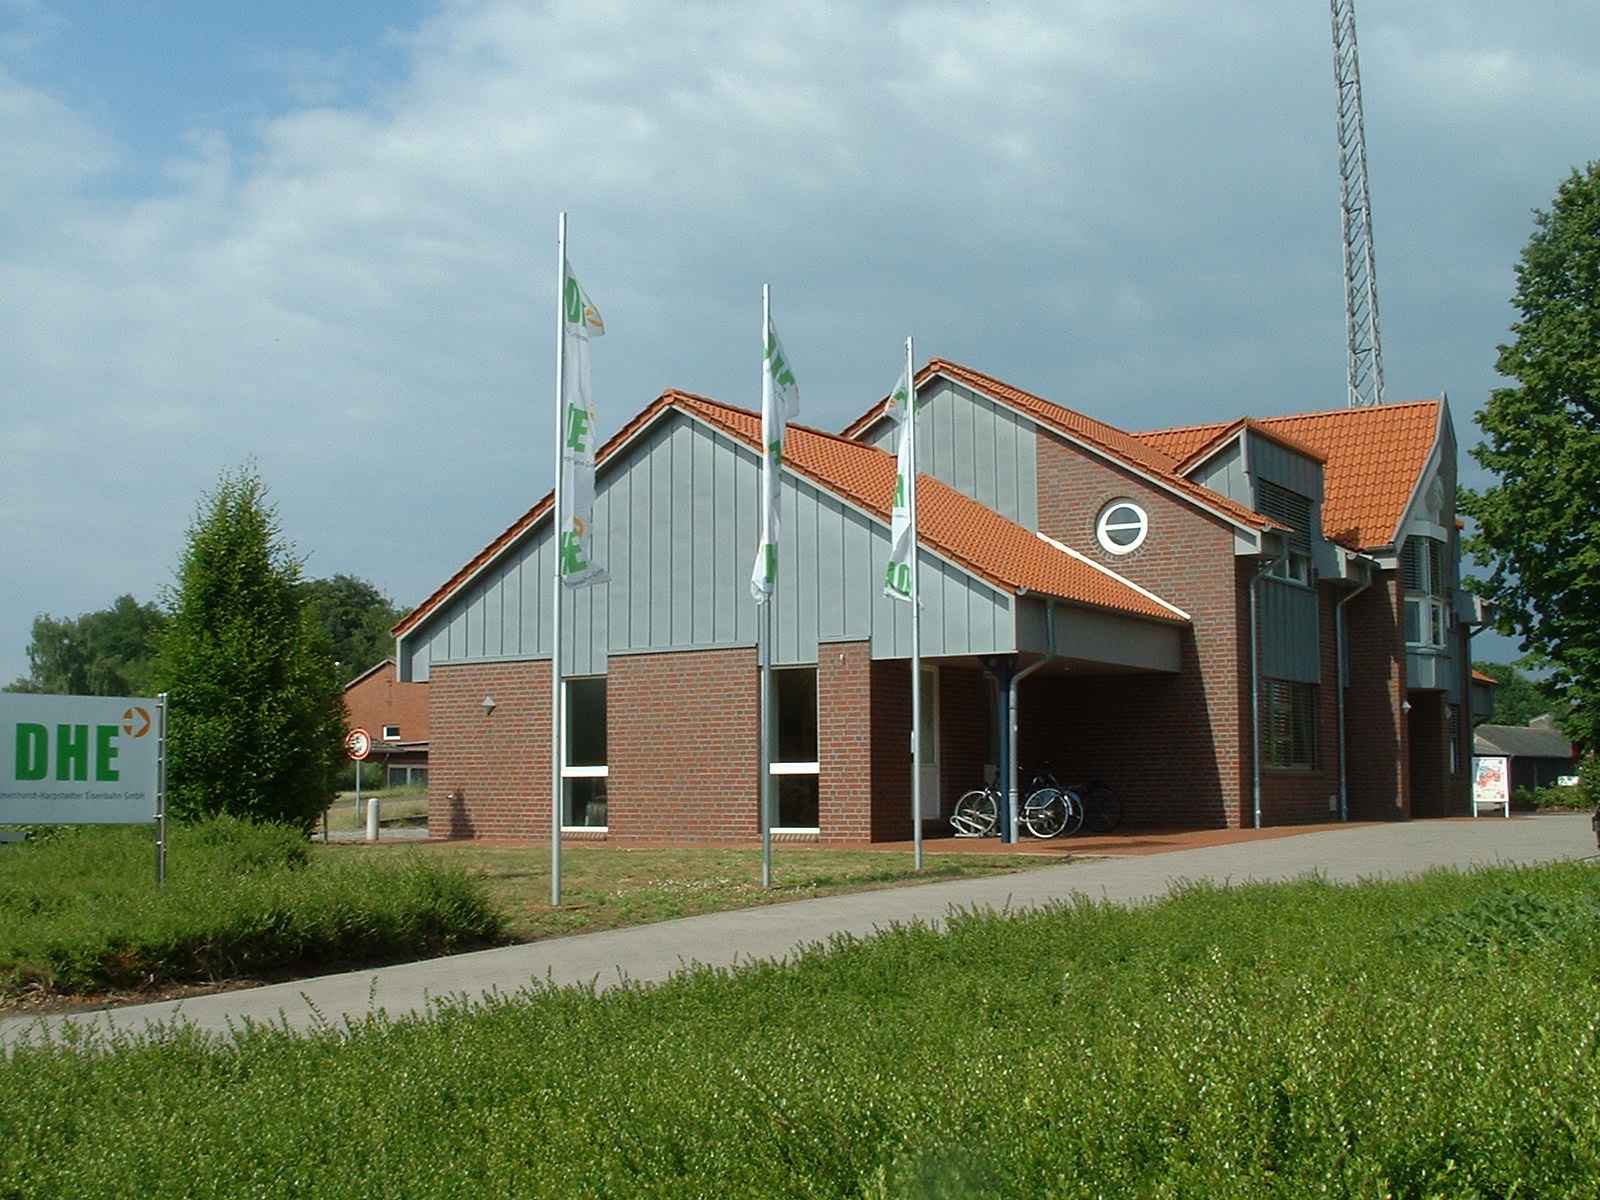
1301,797
1173,744
379,699
681,739
1377,755
681,744
845,741
489,775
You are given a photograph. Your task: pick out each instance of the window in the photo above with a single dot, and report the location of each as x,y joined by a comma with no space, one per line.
1121,527
795,766
1294,510
391,733
405,777
1288,724
583,771
1427,605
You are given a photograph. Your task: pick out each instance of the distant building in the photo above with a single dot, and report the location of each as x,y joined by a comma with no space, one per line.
395,713
1248,622
1538,754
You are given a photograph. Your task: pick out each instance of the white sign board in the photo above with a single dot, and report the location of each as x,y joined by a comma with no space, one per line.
1491,783
80,760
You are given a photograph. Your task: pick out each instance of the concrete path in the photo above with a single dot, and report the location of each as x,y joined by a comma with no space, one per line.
655,952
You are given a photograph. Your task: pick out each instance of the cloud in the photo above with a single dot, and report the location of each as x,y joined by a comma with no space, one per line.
1129,207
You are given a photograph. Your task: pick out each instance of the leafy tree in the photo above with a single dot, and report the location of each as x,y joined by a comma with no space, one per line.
1539,526
255,714
1520,697
109,652
357,618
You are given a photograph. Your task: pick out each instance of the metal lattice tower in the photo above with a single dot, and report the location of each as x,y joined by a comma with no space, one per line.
1365,359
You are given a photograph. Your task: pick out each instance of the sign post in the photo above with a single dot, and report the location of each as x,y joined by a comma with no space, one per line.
85,760
359,744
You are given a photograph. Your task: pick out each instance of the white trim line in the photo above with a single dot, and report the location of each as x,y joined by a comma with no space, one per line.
1126,582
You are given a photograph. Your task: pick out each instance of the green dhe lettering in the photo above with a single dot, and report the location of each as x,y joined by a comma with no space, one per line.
105,754
72,753
33,751
577,427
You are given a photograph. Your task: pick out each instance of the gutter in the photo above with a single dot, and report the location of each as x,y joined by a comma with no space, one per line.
1341,635
1012,785
1255,683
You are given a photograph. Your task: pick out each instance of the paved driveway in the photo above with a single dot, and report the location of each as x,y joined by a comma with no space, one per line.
655,952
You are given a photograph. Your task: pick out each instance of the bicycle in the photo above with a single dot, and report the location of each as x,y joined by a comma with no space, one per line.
1048,811
1102,807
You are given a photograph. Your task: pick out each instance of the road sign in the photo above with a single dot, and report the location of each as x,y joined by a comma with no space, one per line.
359,743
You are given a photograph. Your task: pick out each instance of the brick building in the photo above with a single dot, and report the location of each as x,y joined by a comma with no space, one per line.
1249,623
395,714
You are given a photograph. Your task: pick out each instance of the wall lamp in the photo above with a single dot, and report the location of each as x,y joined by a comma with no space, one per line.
488,705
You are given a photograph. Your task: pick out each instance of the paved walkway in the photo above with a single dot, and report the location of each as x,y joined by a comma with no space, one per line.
1148,866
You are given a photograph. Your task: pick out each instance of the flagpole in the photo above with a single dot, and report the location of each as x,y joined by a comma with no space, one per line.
916,617
764,626
557,746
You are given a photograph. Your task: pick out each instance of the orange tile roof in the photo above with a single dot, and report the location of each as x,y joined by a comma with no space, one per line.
1373,456
959,528
948,522
1153,461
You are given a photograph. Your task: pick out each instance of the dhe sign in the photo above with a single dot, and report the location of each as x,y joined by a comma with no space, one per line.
80,760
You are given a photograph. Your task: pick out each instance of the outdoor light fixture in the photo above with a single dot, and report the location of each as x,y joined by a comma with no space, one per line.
488,705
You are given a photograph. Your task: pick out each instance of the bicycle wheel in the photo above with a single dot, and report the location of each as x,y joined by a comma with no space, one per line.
1102,808
1072,798
976,814
1044,813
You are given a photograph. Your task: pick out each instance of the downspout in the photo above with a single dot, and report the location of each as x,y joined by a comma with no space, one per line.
1255,687
1341,633
1012,784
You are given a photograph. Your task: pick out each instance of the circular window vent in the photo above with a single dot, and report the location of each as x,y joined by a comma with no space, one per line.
1121,527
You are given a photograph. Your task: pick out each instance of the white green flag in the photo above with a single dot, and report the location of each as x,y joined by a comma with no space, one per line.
902,538
780,404
581,321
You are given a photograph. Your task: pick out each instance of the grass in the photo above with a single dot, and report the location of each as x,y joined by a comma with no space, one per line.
607,887
80,917
1431,1038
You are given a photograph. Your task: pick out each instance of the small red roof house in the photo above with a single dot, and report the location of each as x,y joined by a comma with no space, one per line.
1249,623
395,714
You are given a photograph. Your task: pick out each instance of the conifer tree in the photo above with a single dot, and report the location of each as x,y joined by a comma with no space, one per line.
255,713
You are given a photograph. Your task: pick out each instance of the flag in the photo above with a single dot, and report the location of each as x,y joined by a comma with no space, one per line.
902,538
581,321
780,404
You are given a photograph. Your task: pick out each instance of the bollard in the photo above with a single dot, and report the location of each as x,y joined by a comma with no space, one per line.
372,819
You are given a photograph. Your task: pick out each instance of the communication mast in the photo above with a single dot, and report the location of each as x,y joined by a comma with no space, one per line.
1365,358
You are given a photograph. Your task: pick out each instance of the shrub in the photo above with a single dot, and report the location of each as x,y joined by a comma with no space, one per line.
81,913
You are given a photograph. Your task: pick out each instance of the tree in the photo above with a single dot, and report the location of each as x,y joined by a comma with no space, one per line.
1539,526
255,714
357,618
1519,698
109,652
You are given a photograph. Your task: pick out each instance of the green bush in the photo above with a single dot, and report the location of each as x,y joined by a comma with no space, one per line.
1430,1038
80,913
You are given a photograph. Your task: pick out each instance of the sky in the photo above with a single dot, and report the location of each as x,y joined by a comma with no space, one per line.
321,237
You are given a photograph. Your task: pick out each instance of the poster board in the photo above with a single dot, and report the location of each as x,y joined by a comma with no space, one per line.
1491,783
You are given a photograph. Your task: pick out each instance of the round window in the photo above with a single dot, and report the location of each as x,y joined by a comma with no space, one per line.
1121,527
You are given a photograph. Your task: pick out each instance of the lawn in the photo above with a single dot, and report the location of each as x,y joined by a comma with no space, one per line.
81,919
1430,1038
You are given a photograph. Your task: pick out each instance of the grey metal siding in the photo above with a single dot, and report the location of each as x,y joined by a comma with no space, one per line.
1225,474
1285,467
1290,632
675,525
980,448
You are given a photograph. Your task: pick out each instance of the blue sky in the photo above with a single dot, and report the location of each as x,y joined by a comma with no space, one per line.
322,235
